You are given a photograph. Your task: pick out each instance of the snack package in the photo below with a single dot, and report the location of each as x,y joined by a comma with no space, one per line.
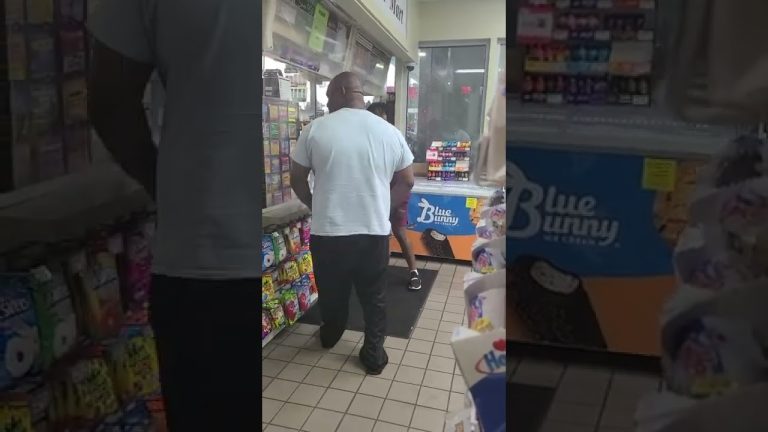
712,356
305,263
84,391
290,303
486,302
489,256
278,243
267,287
55,313
266,324
482,359
313,294
303,294
306,231
267,252
19,337
138,266
15,416
97,287
134,364
493,223
289,272
276,314
35,395
295,237
293,244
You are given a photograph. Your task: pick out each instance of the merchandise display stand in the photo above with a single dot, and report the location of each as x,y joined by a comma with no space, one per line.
480,348
81,328
288,285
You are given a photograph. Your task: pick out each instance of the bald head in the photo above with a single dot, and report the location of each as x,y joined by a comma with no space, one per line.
345,91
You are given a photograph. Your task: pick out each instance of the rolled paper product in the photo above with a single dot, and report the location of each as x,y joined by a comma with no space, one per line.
553,303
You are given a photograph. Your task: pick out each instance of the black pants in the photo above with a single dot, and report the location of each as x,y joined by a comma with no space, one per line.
209,346
358,261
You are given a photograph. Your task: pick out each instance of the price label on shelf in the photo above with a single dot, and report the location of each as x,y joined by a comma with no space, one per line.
535,24
659,174
471,203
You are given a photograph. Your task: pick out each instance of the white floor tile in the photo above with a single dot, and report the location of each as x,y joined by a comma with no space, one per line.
320,376
395,412
323,421
404,392
366,406
336,400
351,423
347,381
439,380
280,390
295,372
428,419
409,375
307,394
375,386
433,398
270,408
292,416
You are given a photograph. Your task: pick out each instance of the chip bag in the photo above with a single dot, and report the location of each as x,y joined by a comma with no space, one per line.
290,305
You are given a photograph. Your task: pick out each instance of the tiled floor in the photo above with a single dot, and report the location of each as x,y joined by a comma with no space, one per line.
306,388
587,399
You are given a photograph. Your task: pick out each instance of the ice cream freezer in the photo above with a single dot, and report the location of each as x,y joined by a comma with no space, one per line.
442,217
593,220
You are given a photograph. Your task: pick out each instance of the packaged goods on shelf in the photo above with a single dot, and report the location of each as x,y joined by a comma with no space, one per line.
448,161
288,289
52,377
713,337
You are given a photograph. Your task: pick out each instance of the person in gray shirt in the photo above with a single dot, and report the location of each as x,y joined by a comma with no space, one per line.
205,298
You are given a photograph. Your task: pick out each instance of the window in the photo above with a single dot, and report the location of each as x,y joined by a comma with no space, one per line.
446,95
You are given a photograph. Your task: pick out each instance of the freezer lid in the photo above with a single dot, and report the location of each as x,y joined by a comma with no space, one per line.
452,188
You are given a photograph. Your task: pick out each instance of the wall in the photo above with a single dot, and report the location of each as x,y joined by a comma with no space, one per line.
371,19
450,20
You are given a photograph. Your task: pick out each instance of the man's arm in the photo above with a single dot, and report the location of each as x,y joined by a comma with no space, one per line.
115,102
402,183
300,183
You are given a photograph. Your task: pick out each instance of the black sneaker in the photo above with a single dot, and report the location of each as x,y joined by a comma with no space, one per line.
415,282
377,369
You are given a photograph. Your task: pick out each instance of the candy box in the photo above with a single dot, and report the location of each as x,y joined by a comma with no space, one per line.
55,313
290,305
19,338
267,252
482,359
92,389
293,244
303,294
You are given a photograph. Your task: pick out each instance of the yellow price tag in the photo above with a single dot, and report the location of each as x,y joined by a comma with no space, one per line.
659,174
471,203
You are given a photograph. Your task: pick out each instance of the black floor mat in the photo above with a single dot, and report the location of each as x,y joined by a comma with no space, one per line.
527,406
403,306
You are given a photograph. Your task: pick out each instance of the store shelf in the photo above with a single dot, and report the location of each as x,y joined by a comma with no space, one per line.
626,129
69,207
284,213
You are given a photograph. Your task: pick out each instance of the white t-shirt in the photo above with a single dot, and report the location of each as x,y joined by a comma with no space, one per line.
208,54
353,154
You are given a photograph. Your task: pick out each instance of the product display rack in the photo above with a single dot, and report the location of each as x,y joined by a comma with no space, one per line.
589,52
448,161
281,129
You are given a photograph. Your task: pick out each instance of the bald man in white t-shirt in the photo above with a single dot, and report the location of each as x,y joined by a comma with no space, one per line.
355,156
205,298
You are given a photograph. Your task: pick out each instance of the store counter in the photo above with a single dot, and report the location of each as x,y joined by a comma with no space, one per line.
442,217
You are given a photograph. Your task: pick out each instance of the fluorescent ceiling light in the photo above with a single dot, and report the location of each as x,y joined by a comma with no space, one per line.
379,66
422,54
468,71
